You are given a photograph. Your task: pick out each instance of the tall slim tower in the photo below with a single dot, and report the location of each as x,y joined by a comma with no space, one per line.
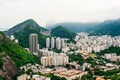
58,43
52,42
33,43
48,42
63,43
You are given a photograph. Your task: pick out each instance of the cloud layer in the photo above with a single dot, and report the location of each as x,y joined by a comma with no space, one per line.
43,11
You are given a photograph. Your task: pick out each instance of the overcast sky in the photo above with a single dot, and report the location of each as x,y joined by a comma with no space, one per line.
13,12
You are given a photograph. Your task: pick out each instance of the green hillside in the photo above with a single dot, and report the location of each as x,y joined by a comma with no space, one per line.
112,28
23,36
62,32
22,31
18,54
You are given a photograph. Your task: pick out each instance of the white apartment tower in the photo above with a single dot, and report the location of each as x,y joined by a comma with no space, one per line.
63,43
52,42
33,43
48,42
58,43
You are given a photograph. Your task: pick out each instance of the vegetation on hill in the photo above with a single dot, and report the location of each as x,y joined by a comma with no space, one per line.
110,50
23,36
110,74
62,32
1,78
77,58
111,28
18,54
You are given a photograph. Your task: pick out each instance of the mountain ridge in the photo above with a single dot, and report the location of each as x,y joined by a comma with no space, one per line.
78,26
22,25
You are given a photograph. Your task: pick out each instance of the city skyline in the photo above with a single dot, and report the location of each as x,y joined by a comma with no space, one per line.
55,11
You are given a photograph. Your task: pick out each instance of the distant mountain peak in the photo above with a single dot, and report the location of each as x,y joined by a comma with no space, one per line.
22,25
30,20
60,27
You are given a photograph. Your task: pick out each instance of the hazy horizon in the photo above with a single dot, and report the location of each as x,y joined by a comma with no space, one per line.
55,11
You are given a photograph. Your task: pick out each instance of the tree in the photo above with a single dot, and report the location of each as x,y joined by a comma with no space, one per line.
1,78
29,71
1,64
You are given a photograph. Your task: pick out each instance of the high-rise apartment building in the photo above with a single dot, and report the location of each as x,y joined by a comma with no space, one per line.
52,42
62,43
33,43
58,43
48,42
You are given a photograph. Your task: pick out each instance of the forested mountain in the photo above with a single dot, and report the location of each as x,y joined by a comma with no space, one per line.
23,36
22,31
111,28
62,32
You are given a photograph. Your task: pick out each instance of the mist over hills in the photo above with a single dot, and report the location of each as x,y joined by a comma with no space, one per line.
110,27
78,27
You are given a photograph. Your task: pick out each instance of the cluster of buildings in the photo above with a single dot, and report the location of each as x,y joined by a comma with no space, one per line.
70,74
51,58
112,56
34,77
87,44
48,58
51,43
35,68
108,66
57,43
74,65
45,32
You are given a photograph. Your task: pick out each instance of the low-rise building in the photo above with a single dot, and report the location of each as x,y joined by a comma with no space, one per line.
71,74
22,77
37,77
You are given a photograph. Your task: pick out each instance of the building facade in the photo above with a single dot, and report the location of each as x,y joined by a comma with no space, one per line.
33,43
